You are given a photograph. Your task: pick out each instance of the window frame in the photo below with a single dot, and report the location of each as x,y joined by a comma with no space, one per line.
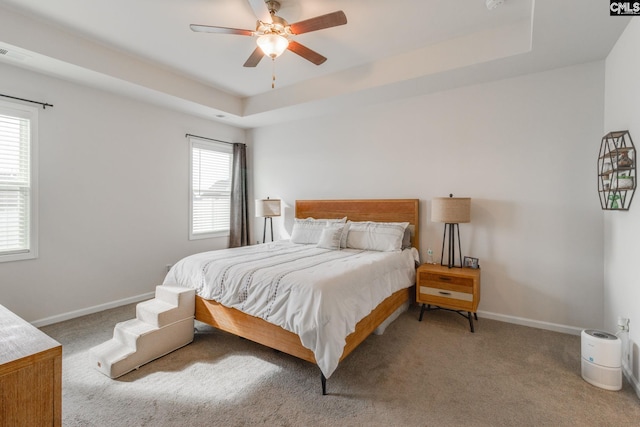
195,142
13,109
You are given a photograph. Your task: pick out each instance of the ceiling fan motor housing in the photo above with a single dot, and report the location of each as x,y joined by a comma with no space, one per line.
279,26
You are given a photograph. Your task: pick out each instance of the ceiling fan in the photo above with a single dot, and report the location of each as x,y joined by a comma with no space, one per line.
275,34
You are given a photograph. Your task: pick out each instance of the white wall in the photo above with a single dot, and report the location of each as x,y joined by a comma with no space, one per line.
113,192
113,202
522,148
622,246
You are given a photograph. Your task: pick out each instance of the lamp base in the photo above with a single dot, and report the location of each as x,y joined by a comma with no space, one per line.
451,249
264,229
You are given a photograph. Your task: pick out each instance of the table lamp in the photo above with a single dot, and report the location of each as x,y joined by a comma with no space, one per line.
452,211
267,209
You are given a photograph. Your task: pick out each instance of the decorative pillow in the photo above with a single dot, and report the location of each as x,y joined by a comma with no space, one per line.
307,231
376,236
331,237
406,239
345,233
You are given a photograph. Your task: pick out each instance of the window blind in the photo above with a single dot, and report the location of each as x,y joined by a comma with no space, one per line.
211,165
15,182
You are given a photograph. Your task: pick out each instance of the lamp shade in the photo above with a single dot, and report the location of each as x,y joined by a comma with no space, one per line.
272,44
451,210
267,208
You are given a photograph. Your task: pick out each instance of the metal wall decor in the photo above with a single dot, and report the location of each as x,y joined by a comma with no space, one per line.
616,171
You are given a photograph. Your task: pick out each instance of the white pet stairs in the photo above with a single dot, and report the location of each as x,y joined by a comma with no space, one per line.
162,325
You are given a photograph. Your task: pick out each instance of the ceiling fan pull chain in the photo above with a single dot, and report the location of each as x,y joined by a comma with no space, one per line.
273,73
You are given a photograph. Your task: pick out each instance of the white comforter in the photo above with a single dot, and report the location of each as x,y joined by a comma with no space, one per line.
318,294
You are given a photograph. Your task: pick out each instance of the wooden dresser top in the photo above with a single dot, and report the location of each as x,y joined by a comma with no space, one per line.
20,339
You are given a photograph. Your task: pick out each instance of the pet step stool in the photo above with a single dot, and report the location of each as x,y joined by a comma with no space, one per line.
162,325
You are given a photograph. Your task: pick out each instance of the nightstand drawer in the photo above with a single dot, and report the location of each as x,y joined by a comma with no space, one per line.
443,293
449,279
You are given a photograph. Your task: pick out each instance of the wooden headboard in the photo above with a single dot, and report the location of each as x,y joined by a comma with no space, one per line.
381,210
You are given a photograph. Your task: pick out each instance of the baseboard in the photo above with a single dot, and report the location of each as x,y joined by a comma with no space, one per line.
488,315
572,330
629,376
90,310
113,304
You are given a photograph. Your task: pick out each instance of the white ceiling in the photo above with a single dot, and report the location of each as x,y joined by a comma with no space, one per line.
387,50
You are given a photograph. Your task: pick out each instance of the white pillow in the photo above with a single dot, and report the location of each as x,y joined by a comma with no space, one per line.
376,236
345,233
406,239
331,237
307,231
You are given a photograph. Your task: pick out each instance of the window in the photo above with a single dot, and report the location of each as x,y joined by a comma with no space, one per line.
210,188
18,182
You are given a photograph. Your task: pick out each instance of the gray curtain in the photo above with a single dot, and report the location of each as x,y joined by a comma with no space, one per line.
239,224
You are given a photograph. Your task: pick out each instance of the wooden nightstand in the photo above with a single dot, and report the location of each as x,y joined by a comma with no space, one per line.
455,289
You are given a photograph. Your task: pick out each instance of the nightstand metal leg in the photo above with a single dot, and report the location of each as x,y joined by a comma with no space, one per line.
469,316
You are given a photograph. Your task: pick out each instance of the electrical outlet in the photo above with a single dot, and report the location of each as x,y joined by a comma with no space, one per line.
623,324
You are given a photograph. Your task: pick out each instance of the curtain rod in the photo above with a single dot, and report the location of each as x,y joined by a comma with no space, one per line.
44,104
212,139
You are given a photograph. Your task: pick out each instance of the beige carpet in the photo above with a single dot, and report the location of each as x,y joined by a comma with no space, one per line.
429,373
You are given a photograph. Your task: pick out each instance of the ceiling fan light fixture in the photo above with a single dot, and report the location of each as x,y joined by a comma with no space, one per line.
273,44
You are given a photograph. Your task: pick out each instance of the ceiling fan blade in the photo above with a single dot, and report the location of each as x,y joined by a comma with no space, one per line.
261,10
306,53
319,22
220,30
254,58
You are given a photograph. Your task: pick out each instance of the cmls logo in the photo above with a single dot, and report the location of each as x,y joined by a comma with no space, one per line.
623,8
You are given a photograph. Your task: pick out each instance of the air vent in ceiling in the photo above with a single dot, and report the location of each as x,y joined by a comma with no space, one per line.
492,4
12,54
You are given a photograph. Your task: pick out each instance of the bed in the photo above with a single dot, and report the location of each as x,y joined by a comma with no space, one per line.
219,312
